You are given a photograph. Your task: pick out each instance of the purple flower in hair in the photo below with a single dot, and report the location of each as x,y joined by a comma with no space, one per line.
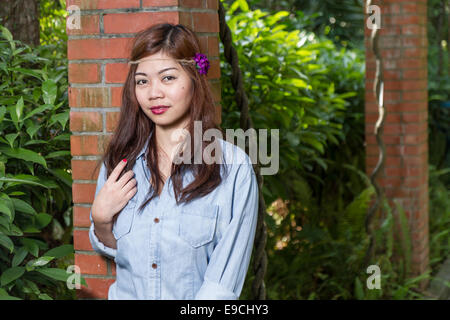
202,63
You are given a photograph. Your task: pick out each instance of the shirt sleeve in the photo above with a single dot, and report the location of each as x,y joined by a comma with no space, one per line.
228,265
97,245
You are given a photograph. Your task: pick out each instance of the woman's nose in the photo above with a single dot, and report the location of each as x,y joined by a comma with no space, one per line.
155,91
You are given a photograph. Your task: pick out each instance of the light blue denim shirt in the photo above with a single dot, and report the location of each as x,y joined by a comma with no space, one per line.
199,250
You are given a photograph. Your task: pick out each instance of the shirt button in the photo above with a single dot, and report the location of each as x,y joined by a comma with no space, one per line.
156,220
154,265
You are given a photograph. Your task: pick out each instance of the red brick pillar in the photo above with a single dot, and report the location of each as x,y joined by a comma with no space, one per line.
403,46
97,54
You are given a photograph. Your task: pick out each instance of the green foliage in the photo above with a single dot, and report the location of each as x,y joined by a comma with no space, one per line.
289,81
35,182
439,85
341,21
313,92
52,22
439,216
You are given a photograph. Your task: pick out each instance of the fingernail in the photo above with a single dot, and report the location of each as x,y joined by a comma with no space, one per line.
124,160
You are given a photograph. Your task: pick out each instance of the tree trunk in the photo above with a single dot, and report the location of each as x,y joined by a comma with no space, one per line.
21,17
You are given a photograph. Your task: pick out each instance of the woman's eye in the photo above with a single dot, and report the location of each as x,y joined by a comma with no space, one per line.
138,82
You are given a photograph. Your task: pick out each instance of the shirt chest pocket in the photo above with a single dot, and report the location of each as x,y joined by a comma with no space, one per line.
124,221
198,224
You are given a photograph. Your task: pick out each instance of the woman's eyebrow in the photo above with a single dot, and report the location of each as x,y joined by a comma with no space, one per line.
161,71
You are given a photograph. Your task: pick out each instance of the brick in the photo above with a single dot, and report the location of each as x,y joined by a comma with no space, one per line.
205,21
116,96
135,22
212,4
415,53
112,119
214,70
414,30
81,218
186,19
89,25
191,3
85,121
96,289
159,3
414,8
113,48
90,97
409,117
83,192
116,72
216,90
84,73
103,4
415,74
81,240
85,169
84,145
113,267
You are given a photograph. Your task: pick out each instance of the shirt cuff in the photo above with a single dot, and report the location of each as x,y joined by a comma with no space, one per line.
99,246
214,291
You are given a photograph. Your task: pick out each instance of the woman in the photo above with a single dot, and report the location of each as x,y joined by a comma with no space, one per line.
175,229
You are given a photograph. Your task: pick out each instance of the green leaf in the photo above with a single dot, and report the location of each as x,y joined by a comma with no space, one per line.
3,292
16,111
314,143
15,231
6,34
43,219
44,296
359,292
62,175
32,129
31,246
23,206
243,5
24,154
11,274
62,118
57,154
11,137
31,142
63,137
6,210
6,242
49,91
9,298
41,261
20,254
31,229
38,110
2,113
61,251
30,72
54,273
26,179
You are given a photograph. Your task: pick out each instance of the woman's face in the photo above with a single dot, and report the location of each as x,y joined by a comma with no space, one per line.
164,83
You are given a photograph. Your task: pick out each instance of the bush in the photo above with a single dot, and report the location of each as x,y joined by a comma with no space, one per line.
35,180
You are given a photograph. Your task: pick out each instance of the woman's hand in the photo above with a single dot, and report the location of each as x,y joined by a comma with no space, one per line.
114,195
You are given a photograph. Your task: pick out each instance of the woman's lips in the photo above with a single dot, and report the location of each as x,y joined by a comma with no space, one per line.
159,110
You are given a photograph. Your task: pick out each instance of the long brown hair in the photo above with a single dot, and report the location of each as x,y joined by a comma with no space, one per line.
134,127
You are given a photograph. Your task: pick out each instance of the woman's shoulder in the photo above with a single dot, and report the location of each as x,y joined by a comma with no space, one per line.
233,154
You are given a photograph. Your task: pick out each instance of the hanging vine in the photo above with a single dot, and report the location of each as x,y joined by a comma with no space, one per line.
259,254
